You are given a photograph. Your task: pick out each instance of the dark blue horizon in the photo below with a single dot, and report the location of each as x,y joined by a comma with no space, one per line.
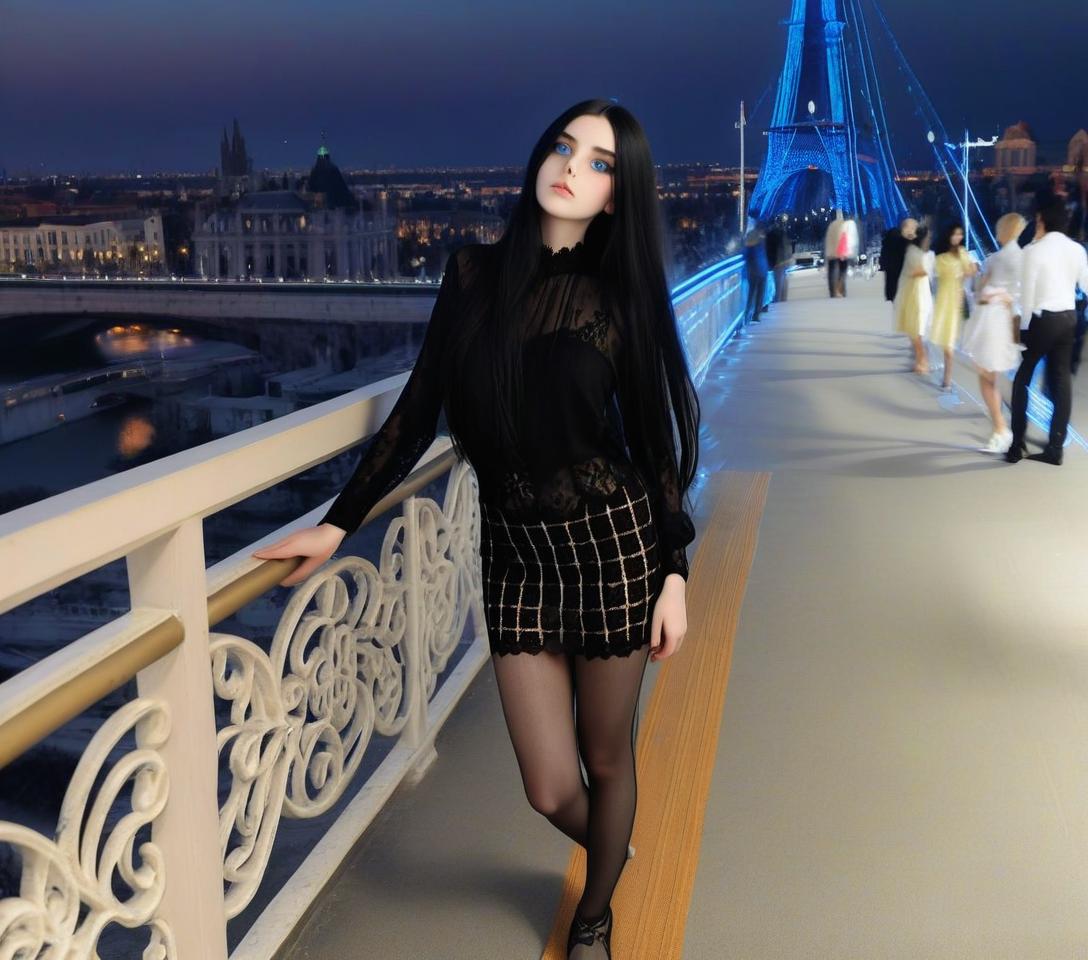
122,86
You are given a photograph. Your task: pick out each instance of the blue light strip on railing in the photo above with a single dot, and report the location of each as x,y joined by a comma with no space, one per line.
1040,410
718,273
704,310
685,288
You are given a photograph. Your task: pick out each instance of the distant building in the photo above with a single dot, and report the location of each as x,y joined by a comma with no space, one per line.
82,244
235,164
1077,155
1016,151
321,231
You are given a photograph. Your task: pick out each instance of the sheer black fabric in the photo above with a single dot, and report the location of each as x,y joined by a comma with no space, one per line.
576,421
549,738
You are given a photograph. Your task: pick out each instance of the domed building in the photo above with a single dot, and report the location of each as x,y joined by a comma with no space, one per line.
326,184
1016,151
321,231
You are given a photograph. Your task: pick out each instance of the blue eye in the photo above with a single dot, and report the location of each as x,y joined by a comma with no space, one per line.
606,168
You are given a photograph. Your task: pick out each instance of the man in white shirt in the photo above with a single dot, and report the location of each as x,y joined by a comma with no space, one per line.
1053,267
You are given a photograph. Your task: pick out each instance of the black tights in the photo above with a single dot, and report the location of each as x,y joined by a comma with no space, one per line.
538,694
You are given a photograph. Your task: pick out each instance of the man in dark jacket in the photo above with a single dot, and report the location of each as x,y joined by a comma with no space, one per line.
779,259
893,251
755,264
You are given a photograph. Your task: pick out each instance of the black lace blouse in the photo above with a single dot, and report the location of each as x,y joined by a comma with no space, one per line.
573,391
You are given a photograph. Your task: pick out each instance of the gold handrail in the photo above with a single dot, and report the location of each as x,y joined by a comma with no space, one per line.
21,732
229,599
56,708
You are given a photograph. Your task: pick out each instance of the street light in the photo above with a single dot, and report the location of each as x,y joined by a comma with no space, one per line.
965,172
740,125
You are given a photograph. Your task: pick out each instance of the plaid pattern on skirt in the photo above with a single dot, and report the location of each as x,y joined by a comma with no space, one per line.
585,585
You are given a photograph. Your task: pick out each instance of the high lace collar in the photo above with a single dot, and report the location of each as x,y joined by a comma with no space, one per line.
576,259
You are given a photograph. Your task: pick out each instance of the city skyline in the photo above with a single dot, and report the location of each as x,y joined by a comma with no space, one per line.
424,85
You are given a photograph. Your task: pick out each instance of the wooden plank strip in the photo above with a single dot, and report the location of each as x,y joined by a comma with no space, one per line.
678,740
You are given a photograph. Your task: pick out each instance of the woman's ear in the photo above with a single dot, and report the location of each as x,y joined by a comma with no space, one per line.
609,207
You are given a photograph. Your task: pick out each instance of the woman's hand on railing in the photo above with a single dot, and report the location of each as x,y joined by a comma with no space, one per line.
316,544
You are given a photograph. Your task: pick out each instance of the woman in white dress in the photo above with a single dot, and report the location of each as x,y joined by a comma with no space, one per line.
990,339
914,297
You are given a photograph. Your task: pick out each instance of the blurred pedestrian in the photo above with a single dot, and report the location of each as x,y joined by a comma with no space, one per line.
780,258
893,249
914,299
756,268
953,267
1053,267
990,340
840,247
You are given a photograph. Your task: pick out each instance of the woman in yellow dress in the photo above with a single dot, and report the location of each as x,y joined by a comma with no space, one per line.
954,266
914,296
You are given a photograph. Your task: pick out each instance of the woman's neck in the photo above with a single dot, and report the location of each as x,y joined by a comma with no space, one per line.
557,233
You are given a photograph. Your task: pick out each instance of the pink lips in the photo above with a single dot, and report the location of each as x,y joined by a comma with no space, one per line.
564,188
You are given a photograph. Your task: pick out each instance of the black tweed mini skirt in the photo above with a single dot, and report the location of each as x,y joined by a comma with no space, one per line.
585,585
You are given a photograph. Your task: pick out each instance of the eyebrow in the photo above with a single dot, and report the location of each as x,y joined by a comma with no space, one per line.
598,149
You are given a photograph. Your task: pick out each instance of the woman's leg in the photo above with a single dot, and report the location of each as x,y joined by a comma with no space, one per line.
946,379
921,361
991,396
536,690
607,706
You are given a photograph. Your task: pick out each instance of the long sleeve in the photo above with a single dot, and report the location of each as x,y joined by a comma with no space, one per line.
412,423
1027,286
1082,278
674,527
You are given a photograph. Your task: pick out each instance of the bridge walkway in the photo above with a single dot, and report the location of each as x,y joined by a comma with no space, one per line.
894,753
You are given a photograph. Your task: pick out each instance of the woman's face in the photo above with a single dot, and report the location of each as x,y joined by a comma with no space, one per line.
583,158
957,237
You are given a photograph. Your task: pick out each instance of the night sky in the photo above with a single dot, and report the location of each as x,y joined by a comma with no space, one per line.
125,85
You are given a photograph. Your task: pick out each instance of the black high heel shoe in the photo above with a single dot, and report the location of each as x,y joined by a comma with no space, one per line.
587,933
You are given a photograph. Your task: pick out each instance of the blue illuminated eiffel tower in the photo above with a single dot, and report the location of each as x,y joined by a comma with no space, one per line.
827,145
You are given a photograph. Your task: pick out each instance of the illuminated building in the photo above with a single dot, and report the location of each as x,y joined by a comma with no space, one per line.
319,232
81,244
1015,152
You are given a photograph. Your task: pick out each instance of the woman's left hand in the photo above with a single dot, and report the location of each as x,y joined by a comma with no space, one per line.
670,618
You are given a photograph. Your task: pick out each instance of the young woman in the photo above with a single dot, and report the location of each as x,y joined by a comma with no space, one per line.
989,339
536,345
914,296
953,267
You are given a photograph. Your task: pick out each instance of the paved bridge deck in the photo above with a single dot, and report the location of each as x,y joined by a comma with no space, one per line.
901,768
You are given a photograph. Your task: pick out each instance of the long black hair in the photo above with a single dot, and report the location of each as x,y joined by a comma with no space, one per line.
629,247
944,242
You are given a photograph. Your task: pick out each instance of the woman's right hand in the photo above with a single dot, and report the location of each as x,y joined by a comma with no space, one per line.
317,544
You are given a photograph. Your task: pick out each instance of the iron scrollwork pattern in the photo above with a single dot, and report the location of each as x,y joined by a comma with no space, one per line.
68,885
341,667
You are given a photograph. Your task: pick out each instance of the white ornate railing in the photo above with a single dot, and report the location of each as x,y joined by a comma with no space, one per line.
66,894
357,652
